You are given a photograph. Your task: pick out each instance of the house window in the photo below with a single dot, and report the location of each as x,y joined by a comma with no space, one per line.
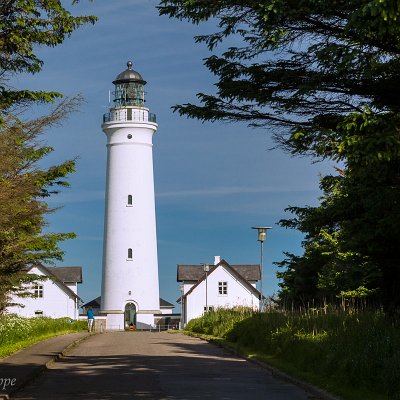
38,313
130,254
38,290
210,308
129,199
223,288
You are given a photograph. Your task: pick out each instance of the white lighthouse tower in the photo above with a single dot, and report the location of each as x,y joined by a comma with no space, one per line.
130,291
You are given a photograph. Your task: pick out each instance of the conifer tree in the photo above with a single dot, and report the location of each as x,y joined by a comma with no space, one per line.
325,76
25,185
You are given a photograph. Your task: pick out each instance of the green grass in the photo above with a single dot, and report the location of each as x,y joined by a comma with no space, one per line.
354,355
17,333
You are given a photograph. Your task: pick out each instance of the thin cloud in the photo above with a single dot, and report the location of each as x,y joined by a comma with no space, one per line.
231,190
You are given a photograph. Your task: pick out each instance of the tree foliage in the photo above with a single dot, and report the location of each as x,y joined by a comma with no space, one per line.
25,184
24,187
325,75
299,63
329,270
25,25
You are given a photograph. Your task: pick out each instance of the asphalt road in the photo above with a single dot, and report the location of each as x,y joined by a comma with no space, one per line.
144,365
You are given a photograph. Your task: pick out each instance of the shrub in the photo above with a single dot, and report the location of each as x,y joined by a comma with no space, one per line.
219,321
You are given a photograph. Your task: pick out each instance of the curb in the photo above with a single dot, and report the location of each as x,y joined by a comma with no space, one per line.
319,394
315,391
64,352
40,369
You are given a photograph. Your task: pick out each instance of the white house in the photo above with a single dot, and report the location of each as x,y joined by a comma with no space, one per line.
223,286
55,296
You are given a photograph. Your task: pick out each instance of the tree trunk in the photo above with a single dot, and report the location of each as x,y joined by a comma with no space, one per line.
391,289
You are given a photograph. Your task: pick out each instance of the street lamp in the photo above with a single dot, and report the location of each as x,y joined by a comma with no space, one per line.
262,237
182,289
206,268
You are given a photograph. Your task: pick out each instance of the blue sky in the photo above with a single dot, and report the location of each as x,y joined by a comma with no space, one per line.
213,181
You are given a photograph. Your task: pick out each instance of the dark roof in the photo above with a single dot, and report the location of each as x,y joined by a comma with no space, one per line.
67,274
55,278
231,270
250,272
165,304
97,301
129,75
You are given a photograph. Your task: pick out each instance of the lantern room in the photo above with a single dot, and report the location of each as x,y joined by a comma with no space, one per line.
129,88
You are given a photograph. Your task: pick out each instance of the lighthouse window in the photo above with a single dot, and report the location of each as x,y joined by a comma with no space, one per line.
130,254
129,112
129,199
129,136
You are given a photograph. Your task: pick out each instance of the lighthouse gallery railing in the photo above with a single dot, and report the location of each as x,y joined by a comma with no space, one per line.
129,114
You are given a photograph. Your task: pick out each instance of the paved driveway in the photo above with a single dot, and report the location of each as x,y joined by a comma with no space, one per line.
144,365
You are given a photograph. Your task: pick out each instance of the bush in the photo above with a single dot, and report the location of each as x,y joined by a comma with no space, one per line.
219,321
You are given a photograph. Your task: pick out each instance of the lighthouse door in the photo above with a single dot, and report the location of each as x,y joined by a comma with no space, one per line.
130,315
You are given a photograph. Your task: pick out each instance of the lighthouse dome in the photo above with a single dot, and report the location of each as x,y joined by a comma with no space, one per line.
129,75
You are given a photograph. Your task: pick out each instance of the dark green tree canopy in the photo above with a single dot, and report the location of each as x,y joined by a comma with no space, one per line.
326,75
298,59
25,25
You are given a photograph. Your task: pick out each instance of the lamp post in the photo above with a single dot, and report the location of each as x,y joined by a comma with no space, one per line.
182,289
262,237
206,268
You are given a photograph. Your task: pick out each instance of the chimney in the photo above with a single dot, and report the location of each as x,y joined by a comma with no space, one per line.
217,259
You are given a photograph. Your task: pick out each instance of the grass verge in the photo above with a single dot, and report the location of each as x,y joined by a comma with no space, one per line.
17,333
350,355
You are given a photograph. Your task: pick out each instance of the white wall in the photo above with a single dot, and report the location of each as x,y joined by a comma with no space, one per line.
187,286
144,321
166,311
55,303
238,294
73,286
130,172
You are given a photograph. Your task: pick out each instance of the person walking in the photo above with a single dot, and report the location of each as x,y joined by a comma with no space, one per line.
90,319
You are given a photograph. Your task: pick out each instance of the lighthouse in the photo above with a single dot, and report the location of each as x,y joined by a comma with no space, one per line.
130,288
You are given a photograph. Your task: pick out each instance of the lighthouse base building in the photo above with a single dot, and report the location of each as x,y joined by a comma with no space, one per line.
166,319
130,287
